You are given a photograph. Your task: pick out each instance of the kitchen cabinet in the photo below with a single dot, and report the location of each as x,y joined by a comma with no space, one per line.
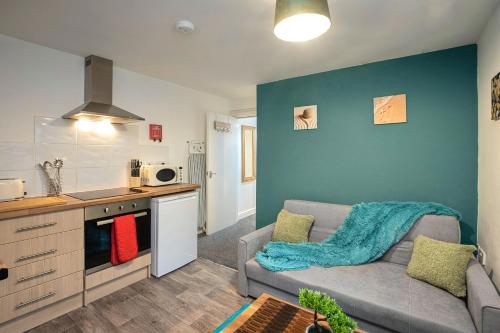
45,259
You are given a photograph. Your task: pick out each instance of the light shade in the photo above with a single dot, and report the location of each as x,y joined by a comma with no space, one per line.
301,20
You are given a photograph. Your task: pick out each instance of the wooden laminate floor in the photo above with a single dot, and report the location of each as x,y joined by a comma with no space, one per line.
196,298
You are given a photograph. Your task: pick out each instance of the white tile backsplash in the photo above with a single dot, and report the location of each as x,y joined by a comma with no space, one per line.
121,155
117,177
92,160
92,137
55,130
93,156
126,135
16,156
88,179
68,181
49,152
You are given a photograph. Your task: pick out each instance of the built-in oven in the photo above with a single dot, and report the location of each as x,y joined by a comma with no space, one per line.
98,221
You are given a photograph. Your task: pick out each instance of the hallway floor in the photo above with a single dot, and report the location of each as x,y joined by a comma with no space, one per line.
222,246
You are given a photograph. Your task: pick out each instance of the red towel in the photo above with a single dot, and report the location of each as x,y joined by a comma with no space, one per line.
123,239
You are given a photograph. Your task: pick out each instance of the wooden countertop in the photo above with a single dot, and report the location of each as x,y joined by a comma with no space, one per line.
72,203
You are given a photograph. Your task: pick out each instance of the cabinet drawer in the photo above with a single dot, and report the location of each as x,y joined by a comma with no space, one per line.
42,271
25,301
21,228
36,249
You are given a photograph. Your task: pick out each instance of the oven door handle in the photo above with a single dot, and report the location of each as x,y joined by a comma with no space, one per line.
103,222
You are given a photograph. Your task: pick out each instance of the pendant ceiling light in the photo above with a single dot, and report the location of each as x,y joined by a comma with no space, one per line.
301,20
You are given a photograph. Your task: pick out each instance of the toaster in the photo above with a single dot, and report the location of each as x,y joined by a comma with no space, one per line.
11,189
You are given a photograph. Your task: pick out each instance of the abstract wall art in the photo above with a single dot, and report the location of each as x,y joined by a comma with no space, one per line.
389,109
305,117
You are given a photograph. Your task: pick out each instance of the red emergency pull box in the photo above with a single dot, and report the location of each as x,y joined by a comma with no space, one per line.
155,132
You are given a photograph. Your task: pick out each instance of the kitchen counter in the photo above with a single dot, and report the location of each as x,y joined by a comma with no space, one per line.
73,203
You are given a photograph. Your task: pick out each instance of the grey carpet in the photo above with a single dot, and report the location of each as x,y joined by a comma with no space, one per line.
222,246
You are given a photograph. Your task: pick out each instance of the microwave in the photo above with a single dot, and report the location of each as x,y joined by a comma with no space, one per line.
160,174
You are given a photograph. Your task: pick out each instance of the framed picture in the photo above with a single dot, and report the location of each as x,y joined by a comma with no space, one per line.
305,117
248,162
495,97
389,109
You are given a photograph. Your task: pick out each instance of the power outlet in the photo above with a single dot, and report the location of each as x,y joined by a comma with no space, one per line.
481,255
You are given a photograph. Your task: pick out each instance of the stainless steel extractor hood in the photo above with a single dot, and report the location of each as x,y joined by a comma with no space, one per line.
99,95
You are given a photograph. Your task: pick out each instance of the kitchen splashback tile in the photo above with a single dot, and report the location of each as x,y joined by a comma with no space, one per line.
93,156
16,156
117,177
126,134
114,134
54,130
48,152
92,136
89,179
68,181
121,155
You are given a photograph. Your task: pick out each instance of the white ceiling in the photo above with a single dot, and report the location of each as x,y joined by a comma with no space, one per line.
233,47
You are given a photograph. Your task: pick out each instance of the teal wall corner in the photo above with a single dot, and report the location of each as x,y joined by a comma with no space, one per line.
348,159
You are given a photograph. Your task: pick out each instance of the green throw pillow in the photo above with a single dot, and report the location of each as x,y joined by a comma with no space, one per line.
441,264
292,228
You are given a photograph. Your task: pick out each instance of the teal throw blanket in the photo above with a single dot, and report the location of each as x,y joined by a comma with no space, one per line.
367,233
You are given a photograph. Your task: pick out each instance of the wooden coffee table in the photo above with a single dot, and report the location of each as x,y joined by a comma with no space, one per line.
270,314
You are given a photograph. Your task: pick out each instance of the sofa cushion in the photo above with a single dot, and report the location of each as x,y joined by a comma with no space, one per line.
441,264
292,228
399,253
380,292
327,217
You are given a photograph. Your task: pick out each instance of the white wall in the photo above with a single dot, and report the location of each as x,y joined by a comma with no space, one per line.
489,148
38,85
246,191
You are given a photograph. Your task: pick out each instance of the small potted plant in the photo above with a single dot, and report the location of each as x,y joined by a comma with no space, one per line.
326,306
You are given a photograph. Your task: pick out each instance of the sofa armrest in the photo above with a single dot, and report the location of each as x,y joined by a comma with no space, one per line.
247,248
483,300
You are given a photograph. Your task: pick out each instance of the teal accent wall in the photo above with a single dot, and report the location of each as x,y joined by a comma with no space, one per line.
348,159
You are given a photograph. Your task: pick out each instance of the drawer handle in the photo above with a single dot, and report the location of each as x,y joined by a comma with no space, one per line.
37,299
38,226
39,254
34,276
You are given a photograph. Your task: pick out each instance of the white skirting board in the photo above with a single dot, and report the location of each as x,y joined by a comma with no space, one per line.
246,213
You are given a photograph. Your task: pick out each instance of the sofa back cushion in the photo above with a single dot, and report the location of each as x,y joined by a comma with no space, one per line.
328,217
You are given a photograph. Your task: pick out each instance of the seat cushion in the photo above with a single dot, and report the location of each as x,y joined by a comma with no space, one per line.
381,293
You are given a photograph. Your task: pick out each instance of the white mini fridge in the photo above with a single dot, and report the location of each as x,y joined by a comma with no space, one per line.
174,232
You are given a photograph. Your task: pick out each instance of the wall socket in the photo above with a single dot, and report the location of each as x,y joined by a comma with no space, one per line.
481,255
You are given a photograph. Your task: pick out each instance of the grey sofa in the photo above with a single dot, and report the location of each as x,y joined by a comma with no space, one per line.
380,296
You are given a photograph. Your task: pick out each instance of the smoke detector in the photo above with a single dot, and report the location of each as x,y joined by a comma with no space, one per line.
184,26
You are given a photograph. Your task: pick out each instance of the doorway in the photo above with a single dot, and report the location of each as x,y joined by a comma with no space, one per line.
231,187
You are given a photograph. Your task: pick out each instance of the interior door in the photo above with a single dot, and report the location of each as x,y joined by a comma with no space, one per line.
222,172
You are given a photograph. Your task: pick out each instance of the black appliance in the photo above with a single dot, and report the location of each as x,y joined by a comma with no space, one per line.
107,193
98,220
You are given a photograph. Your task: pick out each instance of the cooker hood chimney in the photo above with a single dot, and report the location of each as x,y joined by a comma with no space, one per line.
99,95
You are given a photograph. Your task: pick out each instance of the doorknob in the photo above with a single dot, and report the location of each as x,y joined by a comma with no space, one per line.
210,174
